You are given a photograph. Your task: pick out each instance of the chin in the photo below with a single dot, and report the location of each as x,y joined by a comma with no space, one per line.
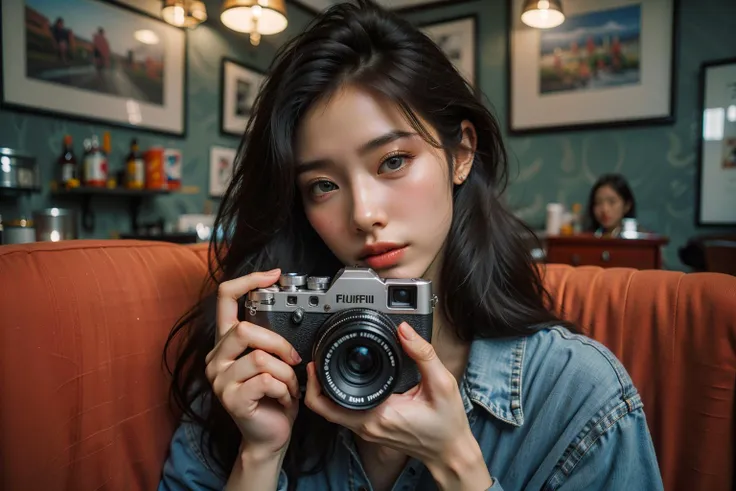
403,271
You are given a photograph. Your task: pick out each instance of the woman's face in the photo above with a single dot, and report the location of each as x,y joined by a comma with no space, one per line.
609,207
376,193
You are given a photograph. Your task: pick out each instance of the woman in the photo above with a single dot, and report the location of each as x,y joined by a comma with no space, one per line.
610,201
367,148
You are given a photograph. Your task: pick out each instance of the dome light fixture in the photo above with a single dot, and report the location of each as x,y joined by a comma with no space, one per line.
256,17
542,14
184,13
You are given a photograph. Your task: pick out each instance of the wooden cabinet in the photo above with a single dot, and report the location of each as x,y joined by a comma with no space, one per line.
643,252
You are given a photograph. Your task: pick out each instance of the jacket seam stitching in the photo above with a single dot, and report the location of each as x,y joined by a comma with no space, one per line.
588,438
194,446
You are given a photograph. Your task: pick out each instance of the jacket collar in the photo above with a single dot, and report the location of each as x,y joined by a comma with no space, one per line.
493,378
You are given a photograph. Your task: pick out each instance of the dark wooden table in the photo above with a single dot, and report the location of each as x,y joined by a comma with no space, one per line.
642,252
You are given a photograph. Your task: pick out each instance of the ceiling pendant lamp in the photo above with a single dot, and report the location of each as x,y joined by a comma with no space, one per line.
542,14
257,17
184,13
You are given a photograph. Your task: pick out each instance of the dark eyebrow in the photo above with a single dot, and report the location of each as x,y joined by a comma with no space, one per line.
375,143
382,140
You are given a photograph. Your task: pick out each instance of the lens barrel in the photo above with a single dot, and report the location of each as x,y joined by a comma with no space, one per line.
357,357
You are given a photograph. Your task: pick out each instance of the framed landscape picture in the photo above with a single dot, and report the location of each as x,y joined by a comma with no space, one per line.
94,60
717,153
610,63
239,86
458,39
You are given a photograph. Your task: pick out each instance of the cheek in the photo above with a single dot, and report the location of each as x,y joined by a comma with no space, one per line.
323,222
327,222
426,194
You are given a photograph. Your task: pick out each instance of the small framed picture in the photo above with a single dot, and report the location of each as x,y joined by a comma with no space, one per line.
221,169
239,86
716,204
457,38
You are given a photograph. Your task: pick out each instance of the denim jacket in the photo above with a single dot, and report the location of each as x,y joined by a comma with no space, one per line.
551,411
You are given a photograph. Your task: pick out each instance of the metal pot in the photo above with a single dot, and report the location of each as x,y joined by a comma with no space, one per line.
55,224
18,171
19,232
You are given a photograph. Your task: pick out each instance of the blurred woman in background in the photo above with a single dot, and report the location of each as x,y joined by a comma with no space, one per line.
610,201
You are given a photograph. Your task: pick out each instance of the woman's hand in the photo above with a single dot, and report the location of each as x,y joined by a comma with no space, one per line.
258,390
428,422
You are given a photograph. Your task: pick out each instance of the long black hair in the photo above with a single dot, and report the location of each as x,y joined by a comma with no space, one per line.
618,183
490,286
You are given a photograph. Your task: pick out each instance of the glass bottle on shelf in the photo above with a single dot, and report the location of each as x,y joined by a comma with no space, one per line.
135,176
68,164
95,165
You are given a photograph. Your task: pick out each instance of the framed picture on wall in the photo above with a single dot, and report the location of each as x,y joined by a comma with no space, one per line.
221,169
717,153
94,60
610,63
458,39
239,86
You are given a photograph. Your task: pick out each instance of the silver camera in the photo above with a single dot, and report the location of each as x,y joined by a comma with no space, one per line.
348,326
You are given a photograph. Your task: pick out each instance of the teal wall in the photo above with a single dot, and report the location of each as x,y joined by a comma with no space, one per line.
659,161
42,136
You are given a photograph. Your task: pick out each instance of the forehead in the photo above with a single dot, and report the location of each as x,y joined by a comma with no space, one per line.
606,191
344,121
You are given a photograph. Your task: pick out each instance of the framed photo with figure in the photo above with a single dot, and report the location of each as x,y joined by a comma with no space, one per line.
716,189
610,63
239,86
222,160
94,60
458,39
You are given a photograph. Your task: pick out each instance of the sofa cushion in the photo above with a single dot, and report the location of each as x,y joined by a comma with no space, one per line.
85,395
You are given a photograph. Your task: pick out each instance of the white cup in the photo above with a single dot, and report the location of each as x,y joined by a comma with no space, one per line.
554,218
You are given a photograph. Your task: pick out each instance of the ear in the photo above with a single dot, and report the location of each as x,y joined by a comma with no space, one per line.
464,154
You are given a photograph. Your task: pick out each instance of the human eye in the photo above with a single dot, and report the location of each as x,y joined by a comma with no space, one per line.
394,163
321,188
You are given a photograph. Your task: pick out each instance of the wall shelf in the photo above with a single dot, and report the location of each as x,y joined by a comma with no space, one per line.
134,196
15,192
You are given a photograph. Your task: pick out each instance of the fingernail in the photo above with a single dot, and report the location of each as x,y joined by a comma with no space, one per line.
407,331
295,356
272,271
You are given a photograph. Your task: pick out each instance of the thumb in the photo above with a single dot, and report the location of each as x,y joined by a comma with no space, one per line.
422,352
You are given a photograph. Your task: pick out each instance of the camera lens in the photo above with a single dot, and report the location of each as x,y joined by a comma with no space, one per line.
402,297
358,357
360,360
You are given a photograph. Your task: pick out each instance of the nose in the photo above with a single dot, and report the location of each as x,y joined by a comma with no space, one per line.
368,210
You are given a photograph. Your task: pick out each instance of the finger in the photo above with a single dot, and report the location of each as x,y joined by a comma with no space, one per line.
230,291
243,399
256,363
318,402
246,335
433,371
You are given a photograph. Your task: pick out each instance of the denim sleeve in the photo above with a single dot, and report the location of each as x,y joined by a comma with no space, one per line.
620,455
189,467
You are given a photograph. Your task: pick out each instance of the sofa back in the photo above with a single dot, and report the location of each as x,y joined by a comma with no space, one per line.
85,395
676,335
